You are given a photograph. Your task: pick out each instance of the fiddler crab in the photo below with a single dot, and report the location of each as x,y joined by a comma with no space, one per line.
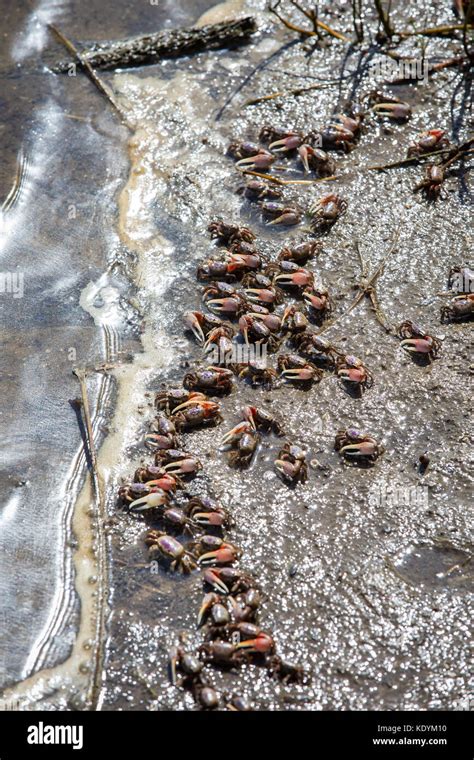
196,412
288,141
343,131
316,348
170,550
163,434
212,550
254,329
229,268
257,373
291,464
210,379
206,512
169,400
389,106
242,441
294,321
219,341
459,308
281,213
295,369
429,141
287,672
176,462
228,580
185,663
259,190
261,420
201,324
319,302
431,184
352,370
351,443
326,211
226,234
317,160
291,275
259,288
415,340
300,252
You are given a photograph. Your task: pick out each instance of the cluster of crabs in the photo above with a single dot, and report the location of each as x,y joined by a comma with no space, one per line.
188,534
277,306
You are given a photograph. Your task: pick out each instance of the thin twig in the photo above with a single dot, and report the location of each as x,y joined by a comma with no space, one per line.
288,93
91,74
307,32
435,30
461,149
384,18
278,181
101,544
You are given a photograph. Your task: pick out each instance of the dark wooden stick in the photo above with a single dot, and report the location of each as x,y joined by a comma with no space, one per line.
150,48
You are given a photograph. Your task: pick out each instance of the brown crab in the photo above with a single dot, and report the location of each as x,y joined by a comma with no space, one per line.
352,443
291,464
417,341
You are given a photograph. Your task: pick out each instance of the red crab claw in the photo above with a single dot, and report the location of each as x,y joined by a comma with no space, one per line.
249,414
363,449
257,295
352,375
262,160
223,556
300,374
290,142
183,466
166,483
397,111
262,644
301,278
316,302
215,519
192,322
207,602
156,441
236,433
196,399
154,499
288,217
239,260
417,345
304,152
230,305
212,578
290,469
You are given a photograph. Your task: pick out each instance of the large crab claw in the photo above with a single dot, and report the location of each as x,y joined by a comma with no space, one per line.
417,345
213,580
262,644
301,374
235,434
298,279
183,466
154,499
291,216
192,322
352,375
215,519
362,449
290,142
229,304
397,111
223,556
207,602
261,160
260,295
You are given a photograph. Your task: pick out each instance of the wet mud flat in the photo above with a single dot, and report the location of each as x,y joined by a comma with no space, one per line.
366,571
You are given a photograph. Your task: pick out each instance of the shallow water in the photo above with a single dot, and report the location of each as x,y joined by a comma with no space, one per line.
372,594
